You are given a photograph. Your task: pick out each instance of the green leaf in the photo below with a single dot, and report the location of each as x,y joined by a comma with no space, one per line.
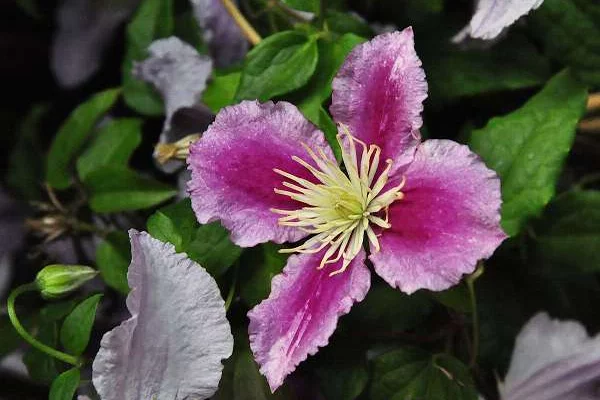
279,64
212,249
241,379
72,135
341,22
411,373
152,20
331,57
65,385
57,310
76,328
342,381
221,90
26,161
113,146
568,236
388,309
304,5
267,262
112,257
456,298
115,189
318,89
248,383
513,64
527,148
40,366
570,33
175,223
9,338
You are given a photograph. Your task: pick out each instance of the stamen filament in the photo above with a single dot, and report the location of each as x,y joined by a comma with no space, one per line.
340,208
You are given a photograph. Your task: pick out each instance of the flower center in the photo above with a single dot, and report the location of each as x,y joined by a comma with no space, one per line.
341,208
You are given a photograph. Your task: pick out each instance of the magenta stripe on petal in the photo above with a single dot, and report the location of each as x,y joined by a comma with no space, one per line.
378,93
302,311
448,220
232,169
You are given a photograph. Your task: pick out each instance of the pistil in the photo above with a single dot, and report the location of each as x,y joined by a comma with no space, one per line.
340,209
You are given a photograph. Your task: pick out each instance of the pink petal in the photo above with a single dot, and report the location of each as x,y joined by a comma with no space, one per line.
378,93
302,311
448,220
232,169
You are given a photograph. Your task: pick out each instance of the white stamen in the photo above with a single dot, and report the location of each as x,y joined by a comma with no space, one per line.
340,209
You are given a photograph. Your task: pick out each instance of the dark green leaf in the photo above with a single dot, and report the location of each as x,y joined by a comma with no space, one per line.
76,328
570,33
175,223
26,161
221,90
31,8
116,189
152,20
40,366
456,298
248,383
343,381
212,249
527,148
568,236
112,256
386,308
72,135
411,373
65,385
304,5
56,311
342,23
266,262
9,338
513,64
113,146
279,64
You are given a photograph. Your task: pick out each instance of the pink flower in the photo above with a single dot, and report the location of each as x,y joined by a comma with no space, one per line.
429,211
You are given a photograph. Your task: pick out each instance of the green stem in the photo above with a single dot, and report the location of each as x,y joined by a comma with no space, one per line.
471,286
231,290
322,20
32,287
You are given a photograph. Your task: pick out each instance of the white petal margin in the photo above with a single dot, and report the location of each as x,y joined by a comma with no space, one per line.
172,346
493,16
177,71
553,360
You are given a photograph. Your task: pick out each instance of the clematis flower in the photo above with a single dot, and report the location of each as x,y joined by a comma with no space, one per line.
492,17
172,346
427,210
553,360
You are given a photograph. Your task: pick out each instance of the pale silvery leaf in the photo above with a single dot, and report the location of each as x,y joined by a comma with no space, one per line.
177,71
553,360
172,346
492,16
85,29
226,43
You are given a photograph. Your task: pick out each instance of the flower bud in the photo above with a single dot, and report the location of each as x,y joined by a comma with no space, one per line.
58,280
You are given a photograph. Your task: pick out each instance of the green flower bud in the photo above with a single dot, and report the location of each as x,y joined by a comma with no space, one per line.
58,280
